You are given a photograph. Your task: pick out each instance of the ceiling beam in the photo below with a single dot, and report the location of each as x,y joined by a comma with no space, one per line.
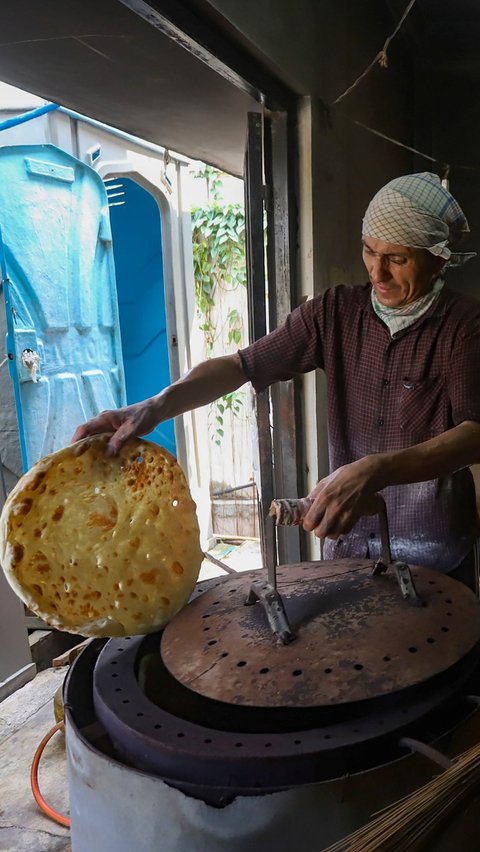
207,42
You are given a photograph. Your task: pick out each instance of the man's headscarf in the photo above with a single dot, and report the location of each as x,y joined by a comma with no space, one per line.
417,211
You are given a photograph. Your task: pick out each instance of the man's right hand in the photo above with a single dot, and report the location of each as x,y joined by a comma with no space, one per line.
340,499
132,420
204,383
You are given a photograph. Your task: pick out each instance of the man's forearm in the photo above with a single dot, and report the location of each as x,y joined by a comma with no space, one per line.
453,450
202,384
341,498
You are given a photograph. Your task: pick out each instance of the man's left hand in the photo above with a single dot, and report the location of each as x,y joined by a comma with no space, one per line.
341,498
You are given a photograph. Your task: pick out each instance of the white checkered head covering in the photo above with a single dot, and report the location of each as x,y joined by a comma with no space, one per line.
417,211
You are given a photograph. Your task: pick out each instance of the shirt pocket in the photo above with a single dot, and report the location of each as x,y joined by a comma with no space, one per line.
424,408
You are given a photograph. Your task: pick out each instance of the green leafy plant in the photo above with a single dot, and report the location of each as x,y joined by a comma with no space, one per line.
230,402
219,264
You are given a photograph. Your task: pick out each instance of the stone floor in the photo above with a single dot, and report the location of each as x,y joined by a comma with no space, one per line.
25,718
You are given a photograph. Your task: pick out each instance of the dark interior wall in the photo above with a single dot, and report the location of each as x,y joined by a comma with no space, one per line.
350,162
455,133
281,34
319,49
447,120
425,98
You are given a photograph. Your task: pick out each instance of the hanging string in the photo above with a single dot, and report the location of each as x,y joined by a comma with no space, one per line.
446,167
381,57
392,140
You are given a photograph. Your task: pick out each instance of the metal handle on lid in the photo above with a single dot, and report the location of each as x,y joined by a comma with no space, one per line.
402,570
268,595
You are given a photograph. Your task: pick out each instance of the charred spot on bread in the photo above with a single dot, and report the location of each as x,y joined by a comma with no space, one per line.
23,507
37,480
18,552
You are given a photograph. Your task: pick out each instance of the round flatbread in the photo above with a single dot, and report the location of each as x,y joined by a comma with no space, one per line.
102,546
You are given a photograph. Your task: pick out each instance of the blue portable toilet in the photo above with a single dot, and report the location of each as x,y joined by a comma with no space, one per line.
63,319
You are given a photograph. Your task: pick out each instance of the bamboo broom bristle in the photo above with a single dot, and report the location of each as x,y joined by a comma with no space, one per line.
407,823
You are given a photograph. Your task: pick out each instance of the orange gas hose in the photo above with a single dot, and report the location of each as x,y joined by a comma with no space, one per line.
62,820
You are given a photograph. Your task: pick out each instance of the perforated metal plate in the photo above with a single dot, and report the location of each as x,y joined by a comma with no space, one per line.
357,638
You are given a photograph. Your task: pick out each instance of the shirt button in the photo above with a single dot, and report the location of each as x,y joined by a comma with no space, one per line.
385,382
381,421
371,535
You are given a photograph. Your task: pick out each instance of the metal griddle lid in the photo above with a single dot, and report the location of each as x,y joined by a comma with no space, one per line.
357,639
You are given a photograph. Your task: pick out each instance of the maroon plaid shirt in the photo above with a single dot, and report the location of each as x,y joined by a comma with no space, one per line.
384,394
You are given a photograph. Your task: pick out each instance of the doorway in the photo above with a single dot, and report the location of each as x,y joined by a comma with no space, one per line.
136,222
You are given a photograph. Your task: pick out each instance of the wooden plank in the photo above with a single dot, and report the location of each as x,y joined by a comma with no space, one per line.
69,656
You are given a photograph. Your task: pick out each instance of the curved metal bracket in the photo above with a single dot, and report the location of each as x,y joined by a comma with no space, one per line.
274,607
402,570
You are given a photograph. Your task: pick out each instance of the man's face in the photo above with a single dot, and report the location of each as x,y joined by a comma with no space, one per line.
399,274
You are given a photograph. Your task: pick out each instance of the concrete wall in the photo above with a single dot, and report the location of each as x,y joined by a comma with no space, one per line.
282,35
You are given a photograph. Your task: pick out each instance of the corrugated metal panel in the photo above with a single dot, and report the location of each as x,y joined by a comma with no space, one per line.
59,280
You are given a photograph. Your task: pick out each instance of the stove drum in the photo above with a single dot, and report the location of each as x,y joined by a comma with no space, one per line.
220,709
117,808
120,801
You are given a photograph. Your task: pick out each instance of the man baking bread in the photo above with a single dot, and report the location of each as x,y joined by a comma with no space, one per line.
401,356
